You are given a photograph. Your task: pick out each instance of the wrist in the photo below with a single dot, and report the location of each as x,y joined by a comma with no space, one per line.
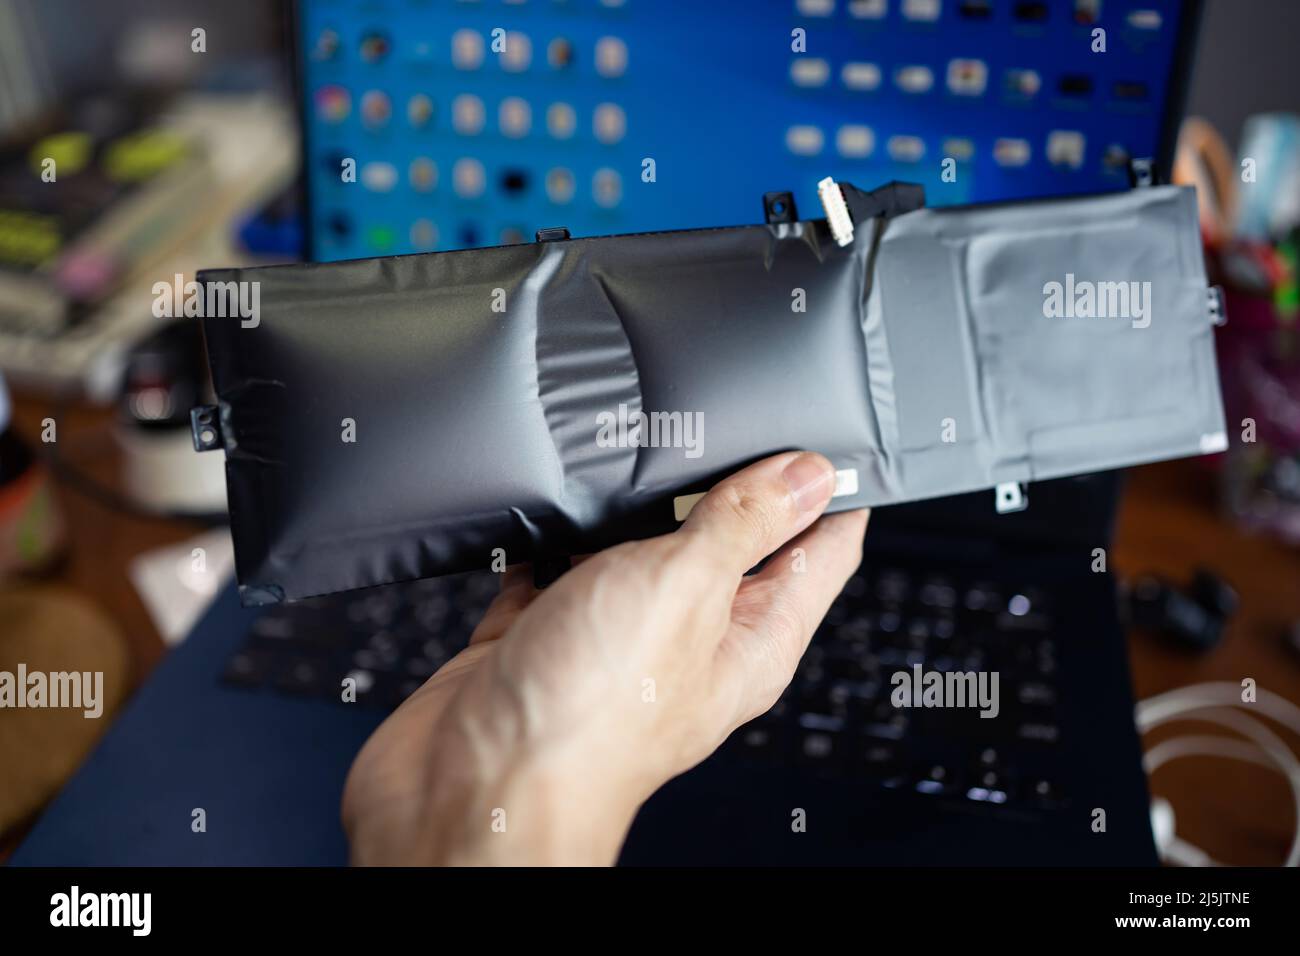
542,810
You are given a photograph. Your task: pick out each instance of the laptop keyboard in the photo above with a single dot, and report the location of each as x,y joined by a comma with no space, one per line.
389,640
840,717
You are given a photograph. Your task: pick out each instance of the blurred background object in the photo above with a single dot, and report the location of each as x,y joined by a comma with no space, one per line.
165,378
27,85
53,630
126,150
31,528
1193,617
1250,220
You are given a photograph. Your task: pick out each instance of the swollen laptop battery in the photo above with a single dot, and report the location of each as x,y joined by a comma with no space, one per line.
402,417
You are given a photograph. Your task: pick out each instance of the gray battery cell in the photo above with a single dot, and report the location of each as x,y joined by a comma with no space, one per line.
395,418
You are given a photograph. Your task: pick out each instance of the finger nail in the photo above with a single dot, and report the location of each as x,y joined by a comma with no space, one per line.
811,479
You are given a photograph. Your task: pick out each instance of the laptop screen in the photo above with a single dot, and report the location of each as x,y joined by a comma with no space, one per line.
431,126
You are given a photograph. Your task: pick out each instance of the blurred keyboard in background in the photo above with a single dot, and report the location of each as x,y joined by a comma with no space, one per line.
836,717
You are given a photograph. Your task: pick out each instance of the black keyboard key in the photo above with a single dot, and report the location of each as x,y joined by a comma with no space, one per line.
431,612
847,670
852,630
885,721
1036,693
855,587
1039,732
822,723
989,787
247,668
274,628
403,689
936,780
937,592
892,587
386,650
481,590
918,631
366,688
982,597
818,749
419,667
888,622
376,610
368,660
1043,792
303,678
879,762
760,742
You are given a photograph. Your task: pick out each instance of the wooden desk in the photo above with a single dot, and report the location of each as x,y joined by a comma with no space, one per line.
1169,524
102,541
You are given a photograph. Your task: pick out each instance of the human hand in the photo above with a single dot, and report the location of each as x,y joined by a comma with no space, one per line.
538,743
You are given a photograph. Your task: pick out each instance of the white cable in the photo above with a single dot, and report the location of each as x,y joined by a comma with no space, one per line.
1172,847
1269,742
1158,709
1207,702
1205,745
1188,854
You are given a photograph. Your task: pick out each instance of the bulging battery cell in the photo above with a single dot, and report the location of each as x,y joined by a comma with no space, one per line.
395,418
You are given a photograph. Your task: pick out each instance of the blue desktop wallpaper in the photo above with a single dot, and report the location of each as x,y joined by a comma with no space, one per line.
477,123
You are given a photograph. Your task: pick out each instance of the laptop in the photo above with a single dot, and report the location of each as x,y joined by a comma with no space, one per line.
244,720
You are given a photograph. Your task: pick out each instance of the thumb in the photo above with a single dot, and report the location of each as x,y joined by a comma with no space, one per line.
747,516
